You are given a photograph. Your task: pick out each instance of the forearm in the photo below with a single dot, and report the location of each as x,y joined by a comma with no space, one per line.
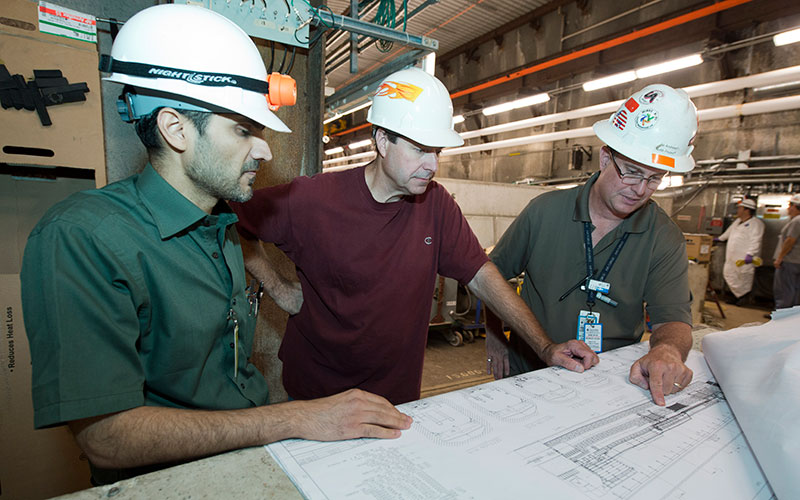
786,248
153,435
287,294
489,286
674,334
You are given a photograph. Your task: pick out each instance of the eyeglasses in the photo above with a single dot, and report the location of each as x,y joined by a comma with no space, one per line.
635,178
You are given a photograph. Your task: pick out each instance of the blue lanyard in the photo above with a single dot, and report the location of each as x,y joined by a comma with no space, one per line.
587,240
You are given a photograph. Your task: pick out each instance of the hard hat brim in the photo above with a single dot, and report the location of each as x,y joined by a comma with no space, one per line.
437,138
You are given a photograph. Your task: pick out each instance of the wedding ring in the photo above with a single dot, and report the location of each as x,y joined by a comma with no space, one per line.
488,360
677,385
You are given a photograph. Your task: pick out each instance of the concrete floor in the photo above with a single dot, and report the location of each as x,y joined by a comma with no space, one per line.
448,368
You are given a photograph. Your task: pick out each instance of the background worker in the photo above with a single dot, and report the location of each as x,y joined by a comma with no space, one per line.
368,243
744,237
134,297
593,255
786,284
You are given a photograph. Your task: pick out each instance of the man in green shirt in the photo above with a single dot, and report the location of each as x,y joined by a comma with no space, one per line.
594,255
134,295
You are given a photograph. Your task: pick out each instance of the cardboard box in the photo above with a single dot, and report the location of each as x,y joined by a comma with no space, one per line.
75,139
34,463
698,246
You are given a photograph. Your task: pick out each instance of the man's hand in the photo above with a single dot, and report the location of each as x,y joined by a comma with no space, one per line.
496,355
349,415
662,372
573,355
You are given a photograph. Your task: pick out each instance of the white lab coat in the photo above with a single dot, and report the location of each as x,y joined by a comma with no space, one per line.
743,238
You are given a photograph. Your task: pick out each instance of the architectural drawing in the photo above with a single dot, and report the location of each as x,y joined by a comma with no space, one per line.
446,424
496,401
592,436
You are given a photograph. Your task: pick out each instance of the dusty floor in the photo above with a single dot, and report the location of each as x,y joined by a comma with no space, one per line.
448,368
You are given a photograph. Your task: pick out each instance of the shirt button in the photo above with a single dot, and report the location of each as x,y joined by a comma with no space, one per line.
232,345
215,255
241,385
206,222
233,302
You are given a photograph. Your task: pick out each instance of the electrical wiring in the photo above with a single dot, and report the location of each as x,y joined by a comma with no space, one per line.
291,61
314,15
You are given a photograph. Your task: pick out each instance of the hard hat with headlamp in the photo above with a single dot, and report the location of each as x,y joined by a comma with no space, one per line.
415,104
655,127
191,58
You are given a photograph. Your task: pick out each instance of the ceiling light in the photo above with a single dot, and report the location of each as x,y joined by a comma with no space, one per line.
565,186
673,65
519,103
458,119
348,112
360,144
334,151
608,81
786,37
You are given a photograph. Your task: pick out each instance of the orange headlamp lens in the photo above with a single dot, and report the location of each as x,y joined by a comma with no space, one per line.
282,91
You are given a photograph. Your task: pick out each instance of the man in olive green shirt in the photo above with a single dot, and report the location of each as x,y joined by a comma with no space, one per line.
134,295
594,255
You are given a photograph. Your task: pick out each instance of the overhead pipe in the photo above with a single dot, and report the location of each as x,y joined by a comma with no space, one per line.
782,75
750,160
746,109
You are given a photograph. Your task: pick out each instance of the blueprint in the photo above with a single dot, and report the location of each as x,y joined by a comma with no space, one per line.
550,434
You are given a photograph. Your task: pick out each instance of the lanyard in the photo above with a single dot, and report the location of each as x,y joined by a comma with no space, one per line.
587,240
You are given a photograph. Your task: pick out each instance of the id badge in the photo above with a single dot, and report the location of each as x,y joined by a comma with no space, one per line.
599,286
584,318
593,336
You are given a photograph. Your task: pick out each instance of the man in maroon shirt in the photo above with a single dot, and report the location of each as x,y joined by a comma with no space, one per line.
368,244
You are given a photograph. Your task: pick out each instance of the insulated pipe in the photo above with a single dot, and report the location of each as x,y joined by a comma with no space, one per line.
782,75
750,160
746,109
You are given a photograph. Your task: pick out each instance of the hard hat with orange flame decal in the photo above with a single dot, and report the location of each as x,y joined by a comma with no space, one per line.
416,105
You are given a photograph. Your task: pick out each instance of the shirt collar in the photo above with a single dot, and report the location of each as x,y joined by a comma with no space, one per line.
171,211
637,222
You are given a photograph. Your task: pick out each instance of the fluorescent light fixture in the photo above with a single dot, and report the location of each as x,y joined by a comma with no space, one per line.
458,119
786,37
565,186
519,103
334,151
608,81
667,66
360,144
348,112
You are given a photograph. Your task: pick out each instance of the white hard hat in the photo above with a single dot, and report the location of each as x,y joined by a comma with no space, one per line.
748,203
190,54
655,126
416,105
795,199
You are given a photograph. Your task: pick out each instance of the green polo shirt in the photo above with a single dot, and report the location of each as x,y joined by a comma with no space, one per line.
546,241
127,293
